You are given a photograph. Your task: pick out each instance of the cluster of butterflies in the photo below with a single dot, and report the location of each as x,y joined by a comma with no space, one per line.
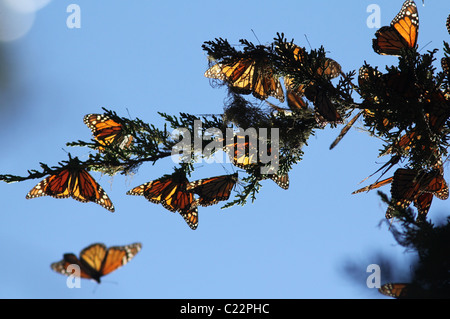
408,185
174,192
251,72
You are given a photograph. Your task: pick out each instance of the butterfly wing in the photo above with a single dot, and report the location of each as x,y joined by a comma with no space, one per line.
214,189
404,189
435,184
396,290
401,34
107,131
72,182
374,185
169,191
56,185
325,110
423,203
118,256
65,267
238,74
84,188
249,74
281,180
191,216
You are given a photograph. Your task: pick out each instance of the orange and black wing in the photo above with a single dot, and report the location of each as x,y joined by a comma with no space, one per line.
57,185
169,191
67,267
118,256
435,184
214,189
405,188
248,74
106,131
396,290
401,34
423,203
281,180
72,182
191,216
345,129
374,185
243,154
84,188
325,110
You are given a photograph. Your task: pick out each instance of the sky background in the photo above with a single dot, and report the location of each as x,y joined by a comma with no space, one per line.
143,57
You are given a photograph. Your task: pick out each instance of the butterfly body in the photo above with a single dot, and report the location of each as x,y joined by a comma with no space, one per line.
96,260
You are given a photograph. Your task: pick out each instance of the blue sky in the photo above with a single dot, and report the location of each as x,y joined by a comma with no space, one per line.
144,57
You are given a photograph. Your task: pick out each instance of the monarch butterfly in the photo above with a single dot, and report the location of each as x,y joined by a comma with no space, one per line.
170,191
325,110
214,189
374,185
107,131
75,182
404,143
401,34
245,155
249,72
396,290
96,260
410,185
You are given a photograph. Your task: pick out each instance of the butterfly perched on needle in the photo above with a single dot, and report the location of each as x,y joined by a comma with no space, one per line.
107,131
72,181
213,189
249,73
401,34
329,69
96,260
244,154
171,192
419,187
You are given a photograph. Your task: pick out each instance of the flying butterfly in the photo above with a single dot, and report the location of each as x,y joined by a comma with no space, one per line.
401,34
72,181
107,131
171,192
213,189
96,260
249,73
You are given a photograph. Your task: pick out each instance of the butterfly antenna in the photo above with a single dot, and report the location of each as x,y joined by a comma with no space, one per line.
255,36
425,46
307,40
